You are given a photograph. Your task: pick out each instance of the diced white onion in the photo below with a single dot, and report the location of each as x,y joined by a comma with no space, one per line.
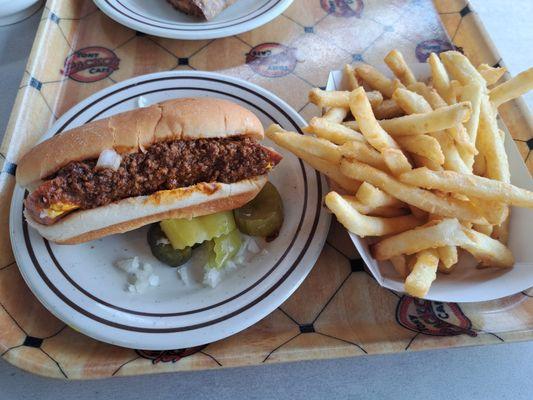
185,275
212,277
230,266
141,285
129,265
253,247
140,276
154,280
162,240
145,270
109,158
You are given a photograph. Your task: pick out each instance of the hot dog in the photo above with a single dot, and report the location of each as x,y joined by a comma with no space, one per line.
177,159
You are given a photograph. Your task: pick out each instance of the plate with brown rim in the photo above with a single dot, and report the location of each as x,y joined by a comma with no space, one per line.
81,285
158,18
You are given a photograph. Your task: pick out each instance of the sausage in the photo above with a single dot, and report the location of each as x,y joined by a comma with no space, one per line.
163,166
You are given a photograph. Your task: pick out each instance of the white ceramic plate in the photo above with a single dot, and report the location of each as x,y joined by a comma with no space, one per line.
80,285
157,17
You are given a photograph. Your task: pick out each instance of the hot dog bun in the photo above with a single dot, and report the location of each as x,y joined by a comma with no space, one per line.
128,132
135,131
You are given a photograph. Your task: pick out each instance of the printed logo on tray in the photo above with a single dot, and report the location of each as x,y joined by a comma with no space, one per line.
90,64
165,356
272,60
433,317
425,48
343,8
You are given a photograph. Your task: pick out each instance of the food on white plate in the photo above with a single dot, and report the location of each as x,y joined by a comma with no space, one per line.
163,250
140,276
422,165
262,216
206,9
221,238
181,158
184,232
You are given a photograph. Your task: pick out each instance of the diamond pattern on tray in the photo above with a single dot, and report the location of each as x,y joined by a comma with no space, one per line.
352,316
339,310
327,276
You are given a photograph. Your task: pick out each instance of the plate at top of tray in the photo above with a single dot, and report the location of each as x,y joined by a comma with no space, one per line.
80,285
158,18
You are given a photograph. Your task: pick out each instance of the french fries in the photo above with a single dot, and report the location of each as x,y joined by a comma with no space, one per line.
364,225
388,109
446,153
440,79
463,141
362,111
334,132
411,102
423,274
423,145
434,100
420,198
335,114
448,256
484,229
469,185
460,68
418,124
424,164
351,77
396,161
491,145
375,79
328,168
318,147
373,210
371,195
324,98
495,212
452,158
430,94
399,67
433,121
363,152
472,93
448,232
491,74
501,232
487,250
480,165
515,87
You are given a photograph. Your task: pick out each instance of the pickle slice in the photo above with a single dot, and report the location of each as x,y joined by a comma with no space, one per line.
163,250
184,233
224,248
263,216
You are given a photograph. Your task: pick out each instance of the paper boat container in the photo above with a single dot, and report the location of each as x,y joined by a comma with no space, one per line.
467,283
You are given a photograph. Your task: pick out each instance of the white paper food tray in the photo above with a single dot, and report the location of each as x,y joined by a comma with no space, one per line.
467,283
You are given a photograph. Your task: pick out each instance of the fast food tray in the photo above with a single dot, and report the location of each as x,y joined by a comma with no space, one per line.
339,311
